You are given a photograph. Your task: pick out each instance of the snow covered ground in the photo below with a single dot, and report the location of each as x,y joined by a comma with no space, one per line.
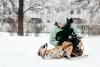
19,51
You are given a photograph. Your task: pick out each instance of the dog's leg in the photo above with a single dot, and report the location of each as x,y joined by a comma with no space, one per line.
57,54
68,51
68,55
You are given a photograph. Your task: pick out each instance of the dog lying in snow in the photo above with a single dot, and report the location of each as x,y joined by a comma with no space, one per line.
57,52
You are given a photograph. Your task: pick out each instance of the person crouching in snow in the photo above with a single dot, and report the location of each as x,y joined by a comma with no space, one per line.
60,23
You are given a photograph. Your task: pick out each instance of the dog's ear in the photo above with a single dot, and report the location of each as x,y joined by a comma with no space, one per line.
71,20
46,44
56,23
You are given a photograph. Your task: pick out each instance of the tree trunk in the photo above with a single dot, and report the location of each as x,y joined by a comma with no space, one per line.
20,18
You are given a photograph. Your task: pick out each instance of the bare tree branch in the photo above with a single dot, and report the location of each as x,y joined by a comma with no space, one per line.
29,8
34,6
1,3
98,7
13,5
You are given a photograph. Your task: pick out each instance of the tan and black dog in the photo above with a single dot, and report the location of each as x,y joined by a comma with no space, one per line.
57,52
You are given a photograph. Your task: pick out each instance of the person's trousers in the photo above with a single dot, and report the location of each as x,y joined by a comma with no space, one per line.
75,42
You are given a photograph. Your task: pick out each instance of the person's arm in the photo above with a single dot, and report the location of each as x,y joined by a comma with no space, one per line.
76,30
52,39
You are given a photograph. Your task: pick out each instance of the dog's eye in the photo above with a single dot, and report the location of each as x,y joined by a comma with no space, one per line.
46,54
43,46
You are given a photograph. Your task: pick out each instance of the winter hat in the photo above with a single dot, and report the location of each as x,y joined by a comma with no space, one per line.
61,18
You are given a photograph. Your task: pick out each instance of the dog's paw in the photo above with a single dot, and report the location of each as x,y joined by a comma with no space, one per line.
69,58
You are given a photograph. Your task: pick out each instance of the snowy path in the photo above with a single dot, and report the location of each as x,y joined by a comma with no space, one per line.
22,52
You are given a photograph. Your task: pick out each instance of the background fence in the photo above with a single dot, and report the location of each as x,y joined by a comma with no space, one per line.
85,29
90,29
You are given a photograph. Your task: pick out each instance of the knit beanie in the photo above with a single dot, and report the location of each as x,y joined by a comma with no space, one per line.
61,18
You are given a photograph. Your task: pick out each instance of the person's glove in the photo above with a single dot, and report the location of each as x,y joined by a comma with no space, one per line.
74,36
79,37
59,43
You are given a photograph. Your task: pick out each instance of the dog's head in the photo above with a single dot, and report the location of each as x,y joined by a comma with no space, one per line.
42,50
66,44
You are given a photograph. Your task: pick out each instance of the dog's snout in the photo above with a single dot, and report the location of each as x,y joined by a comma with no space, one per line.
38,53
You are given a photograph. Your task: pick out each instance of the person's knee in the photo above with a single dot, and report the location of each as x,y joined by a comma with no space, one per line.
75,42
